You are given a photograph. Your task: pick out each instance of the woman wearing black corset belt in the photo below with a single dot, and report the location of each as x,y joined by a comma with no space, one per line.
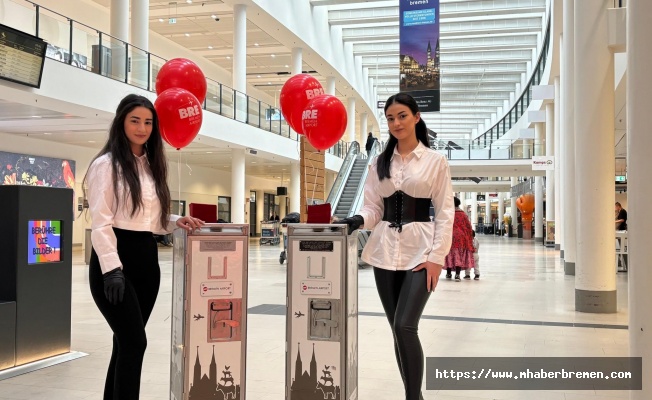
129,200
406,248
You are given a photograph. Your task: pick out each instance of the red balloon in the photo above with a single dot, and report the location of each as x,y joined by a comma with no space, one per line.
182,73
179,115
295,95
324,121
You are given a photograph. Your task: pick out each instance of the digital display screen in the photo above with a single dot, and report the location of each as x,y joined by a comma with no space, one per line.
43,242
21,57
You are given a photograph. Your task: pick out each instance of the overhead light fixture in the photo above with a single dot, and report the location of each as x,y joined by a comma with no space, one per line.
209,152
36,116
287,66
91,141
187,34
160,20
269,83
254,162
257,76
228,57
47,133
210,47
213,16
189,1
273,55
256,44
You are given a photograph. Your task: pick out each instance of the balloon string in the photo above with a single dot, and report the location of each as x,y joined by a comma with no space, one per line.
179,180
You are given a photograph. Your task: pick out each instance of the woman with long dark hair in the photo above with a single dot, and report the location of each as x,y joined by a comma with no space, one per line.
406,248
129,201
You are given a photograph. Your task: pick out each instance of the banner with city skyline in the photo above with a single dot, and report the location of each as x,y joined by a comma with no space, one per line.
419,52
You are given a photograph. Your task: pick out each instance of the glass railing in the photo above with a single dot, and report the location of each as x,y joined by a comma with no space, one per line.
84,47
500,149
343,175
486,140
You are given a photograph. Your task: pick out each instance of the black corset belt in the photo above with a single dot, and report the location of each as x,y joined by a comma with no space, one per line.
401,209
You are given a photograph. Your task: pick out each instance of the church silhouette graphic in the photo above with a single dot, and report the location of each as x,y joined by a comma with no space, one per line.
209,387
308,385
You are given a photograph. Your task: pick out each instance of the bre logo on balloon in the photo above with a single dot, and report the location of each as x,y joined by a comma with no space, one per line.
310,118
312,93
193,113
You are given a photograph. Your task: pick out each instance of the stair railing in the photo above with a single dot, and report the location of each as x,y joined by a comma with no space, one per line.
357,199
345,171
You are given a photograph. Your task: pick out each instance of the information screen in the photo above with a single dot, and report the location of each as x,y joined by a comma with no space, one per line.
21,57
43,242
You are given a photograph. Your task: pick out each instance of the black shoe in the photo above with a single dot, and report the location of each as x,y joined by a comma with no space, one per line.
457,278
449,276
467,276
476,278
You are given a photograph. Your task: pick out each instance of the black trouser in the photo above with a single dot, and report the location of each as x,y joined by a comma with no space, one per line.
139,256
404,296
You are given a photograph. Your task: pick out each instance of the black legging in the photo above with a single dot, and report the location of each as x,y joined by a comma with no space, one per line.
139,256
404,296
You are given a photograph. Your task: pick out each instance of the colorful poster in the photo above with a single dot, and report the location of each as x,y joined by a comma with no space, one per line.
25,169
419,52
43,242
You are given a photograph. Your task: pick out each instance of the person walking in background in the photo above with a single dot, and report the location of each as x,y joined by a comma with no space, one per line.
461,253
129,201
621,218
476,259
370,143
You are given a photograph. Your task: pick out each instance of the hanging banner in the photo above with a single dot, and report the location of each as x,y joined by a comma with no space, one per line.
419,52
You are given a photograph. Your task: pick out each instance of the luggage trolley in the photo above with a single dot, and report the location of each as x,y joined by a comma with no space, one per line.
269,232
322,313
291,218
209,313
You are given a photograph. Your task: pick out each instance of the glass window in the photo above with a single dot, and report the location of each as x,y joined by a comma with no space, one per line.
224,208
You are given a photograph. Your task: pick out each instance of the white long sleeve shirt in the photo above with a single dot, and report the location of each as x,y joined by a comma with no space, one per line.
107,214
423,173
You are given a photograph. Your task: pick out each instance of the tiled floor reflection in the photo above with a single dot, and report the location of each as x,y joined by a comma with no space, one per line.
522,306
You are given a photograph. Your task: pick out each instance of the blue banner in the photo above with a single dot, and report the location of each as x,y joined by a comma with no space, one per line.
420,74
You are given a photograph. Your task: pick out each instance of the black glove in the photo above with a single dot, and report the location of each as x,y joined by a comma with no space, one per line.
353,222
114,286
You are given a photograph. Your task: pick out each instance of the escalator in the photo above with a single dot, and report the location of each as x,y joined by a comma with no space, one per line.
350,188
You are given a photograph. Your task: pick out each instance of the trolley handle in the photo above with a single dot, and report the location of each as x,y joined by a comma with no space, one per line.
212,228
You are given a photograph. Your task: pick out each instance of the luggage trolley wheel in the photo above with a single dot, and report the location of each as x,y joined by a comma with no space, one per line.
281,258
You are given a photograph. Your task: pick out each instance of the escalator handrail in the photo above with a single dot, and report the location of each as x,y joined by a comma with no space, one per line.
343,176
357,199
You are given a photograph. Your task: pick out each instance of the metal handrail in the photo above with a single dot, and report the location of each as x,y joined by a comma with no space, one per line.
259,121
357,199
342,176
534,80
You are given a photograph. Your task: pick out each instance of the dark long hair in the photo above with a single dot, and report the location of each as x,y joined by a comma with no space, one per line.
385,158
124,162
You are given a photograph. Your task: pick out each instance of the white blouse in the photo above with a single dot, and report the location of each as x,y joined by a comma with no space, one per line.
423,173
106,215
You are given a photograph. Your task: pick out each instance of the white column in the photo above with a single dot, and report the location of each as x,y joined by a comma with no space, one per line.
350,122
568,133
556,153
240,61
260,211
297,60
639,190
474,209
550,151
539,134
119,25
512,205
330,85
139,39
238,186
363,129
240,48
595,278
295,188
